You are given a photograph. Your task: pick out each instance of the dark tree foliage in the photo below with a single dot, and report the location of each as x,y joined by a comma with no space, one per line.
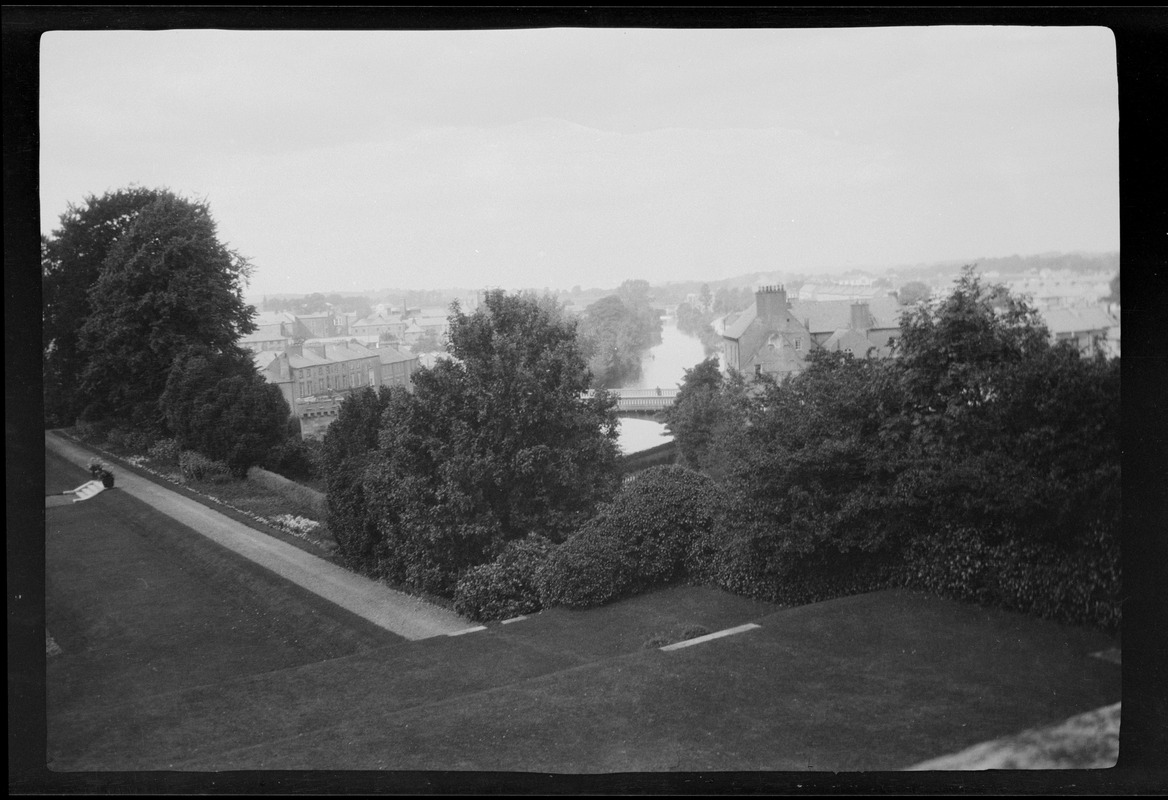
72,260
217,404
507,586
167,283
644,537
980,444
491,446
707,413
349,447
818,458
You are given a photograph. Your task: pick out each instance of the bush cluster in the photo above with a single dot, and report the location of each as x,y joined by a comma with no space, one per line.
509,585
197,467
982,463
295,459
644,537
1079,584
165,452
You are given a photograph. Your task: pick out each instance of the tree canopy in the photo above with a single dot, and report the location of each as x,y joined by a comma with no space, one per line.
218,404
167,283
72,261
981,443
493,444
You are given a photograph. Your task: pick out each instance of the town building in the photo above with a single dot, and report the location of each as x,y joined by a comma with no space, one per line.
383,325
315,377
275,330
776,334
1085,326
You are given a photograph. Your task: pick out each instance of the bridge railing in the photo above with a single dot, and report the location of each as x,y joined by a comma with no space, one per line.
634,394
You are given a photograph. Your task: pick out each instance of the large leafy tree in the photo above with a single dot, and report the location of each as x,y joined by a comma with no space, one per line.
216,403
818,457
167,283
493,445
1004,428
72,260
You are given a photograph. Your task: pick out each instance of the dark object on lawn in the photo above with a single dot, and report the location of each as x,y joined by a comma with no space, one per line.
100,473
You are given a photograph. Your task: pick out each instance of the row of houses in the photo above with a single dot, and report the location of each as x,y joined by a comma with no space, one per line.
777,333
316,376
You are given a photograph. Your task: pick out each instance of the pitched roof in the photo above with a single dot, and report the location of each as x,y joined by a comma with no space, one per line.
826,316
736,324
821,316
272,318
391,355
378,319
1077,319
264,358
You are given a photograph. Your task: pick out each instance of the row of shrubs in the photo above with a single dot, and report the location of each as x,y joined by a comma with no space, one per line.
670,524
164,453
293,458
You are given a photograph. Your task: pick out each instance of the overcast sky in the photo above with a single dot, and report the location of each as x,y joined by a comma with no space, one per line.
341,161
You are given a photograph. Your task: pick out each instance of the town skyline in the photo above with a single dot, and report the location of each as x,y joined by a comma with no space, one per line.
563,157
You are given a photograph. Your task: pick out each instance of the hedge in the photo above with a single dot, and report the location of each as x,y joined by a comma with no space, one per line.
643,538
506,587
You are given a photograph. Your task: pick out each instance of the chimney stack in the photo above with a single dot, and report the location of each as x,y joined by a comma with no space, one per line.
771,302
861,319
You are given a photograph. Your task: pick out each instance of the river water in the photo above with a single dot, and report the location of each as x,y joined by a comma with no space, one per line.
663,367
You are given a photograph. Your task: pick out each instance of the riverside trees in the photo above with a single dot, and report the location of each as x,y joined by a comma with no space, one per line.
617,330
492,445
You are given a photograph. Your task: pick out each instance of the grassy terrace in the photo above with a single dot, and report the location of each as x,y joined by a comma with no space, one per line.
178,655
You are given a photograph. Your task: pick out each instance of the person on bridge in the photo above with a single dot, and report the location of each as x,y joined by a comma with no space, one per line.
658,391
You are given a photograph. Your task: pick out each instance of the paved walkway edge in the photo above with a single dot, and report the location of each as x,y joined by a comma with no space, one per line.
397,612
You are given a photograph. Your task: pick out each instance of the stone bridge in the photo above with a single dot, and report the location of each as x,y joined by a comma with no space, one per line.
641,401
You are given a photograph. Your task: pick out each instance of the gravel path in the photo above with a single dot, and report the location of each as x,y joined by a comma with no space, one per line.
397,612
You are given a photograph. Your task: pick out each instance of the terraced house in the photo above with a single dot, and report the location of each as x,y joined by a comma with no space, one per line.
315,377
776,334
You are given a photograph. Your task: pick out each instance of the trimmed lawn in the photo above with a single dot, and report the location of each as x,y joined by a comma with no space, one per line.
177,654
887,691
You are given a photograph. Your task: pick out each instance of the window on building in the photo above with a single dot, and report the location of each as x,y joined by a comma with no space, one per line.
798,343
758,369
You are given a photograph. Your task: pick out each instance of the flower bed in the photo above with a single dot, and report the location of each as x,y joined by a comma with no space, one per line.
255,503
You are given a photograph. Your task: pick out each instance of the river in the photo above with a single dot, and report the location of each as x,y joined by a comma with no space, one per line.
663,367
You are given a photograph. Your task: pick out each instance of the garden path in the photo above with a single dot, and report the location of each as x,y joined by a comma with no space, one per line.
397,612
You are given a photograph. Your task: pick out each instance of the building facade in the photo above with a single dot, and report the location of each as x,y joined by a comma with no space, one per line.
776,334
315,377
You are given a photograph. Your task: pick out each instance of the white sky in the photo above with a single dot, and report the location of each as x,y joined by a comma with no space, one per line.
342,161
